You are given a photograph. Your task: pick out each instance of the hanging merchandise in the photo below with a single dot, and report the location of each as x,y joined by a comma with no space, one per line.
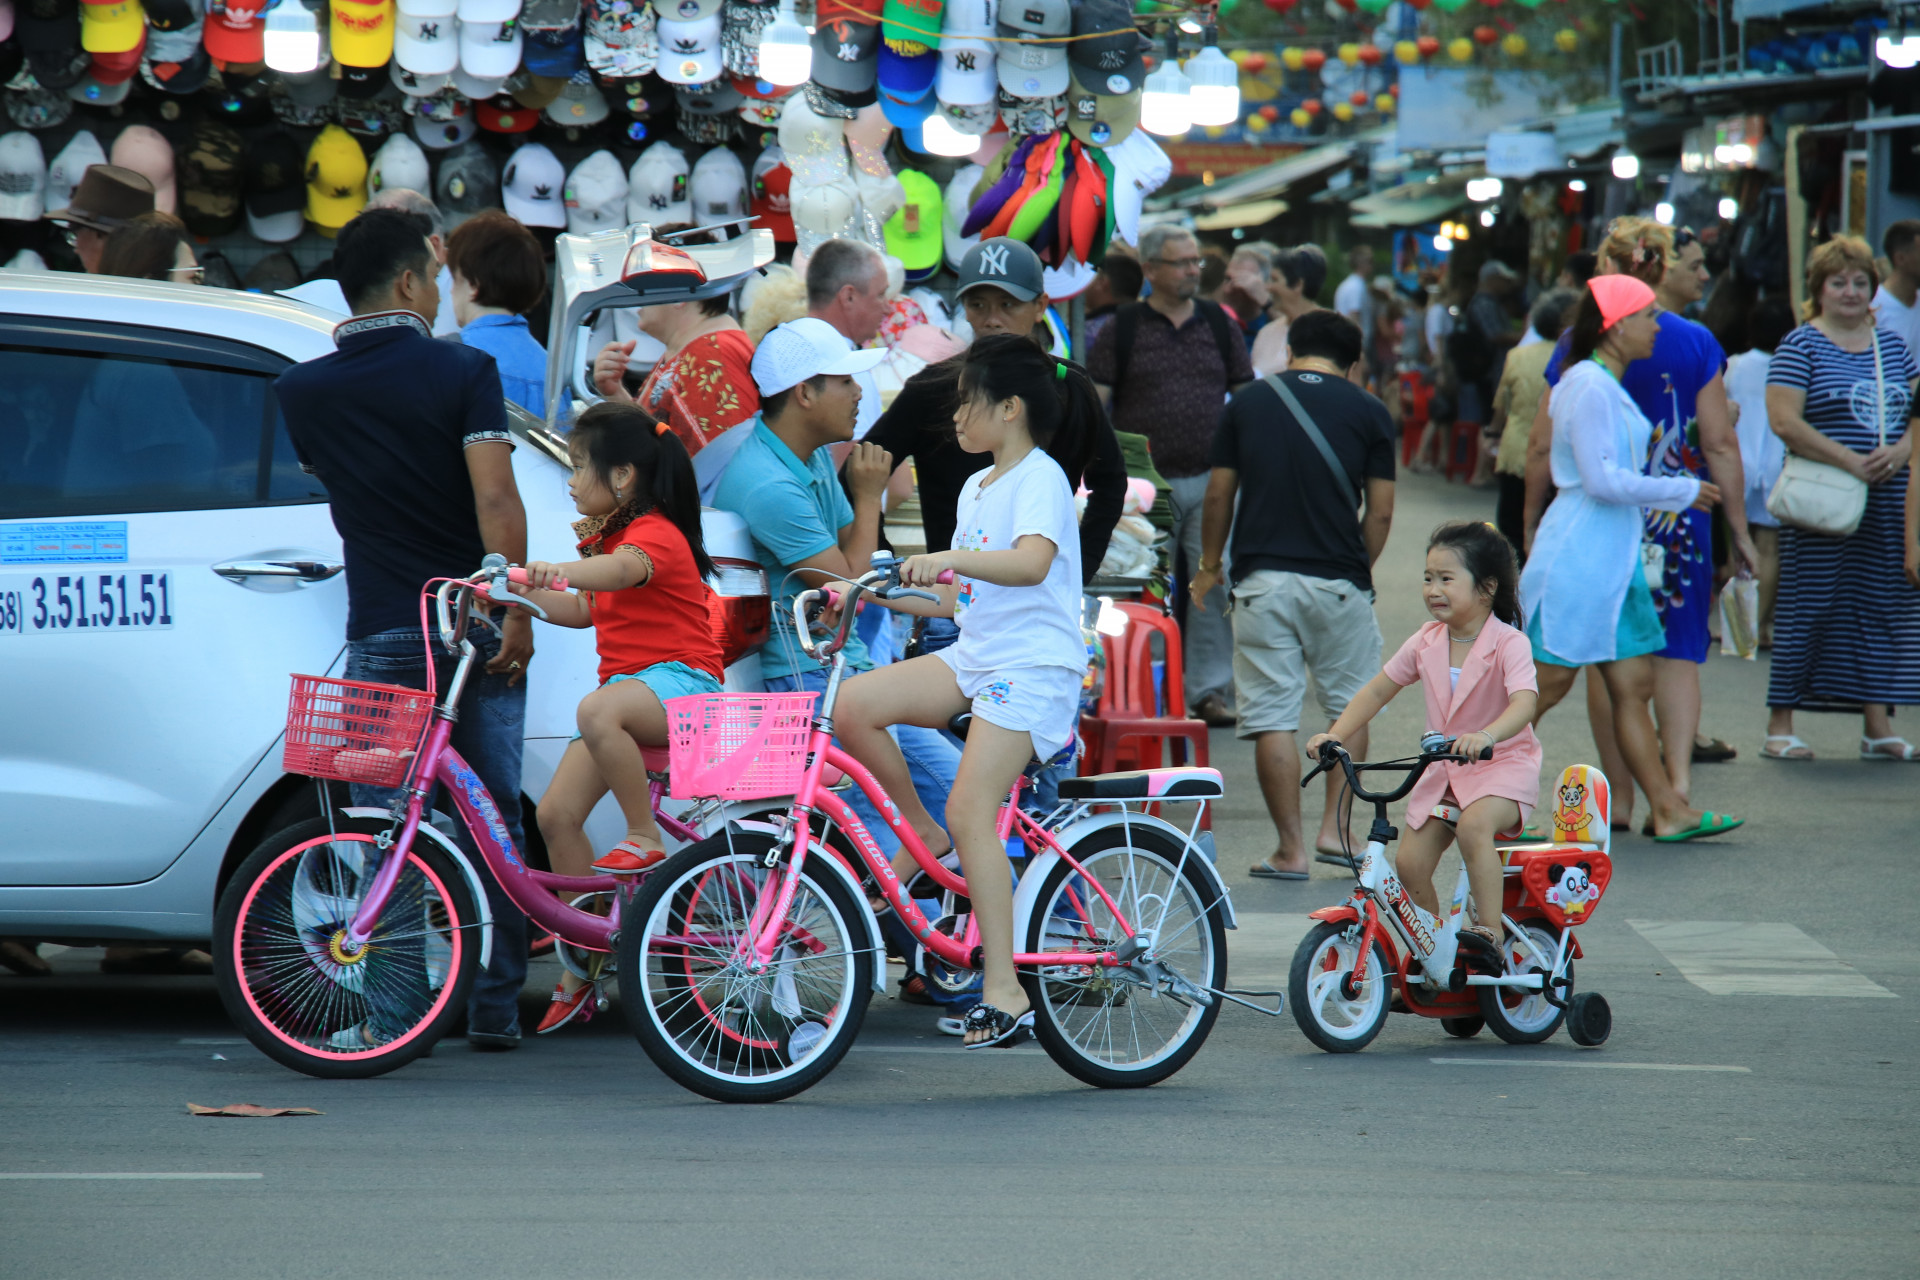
770,194
718,189
336,178
914,234
595,195
657,187
1035,66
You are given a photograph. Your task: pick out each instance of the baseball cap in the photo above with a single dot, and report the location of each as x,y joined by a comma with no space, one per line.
490,49
710,114
690,50
718,188
823,206
274,188
147,153
1104,63
412,83
909,118
64,172
596,195
742,23
360,33
969,18
549,15
468,183
911,27
235,30
479,88
959,199
426,38
1005,264
620,37
845,55
167,15
863,11
580,103
212,175
501,114
116,68
95,92
1032,70
23,178
116,26
799,350
177,62
968,73
37,108
686,10
357,84
657,187
1140,167
907,77
914,233
399,165
488,10
336,179
1101,119
555,51
443,121
770,192
530,90
531,187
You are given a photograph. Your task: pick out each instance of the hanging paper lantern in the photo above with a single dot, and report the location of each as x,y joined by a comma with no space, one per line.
1530,4
1358,97
1313,59
1255,124
1420,4
1349,53
1406,53
1515,45
1300,118
1450,6
1146,6
1254,63
1370,55
1484,34
1566,39
1429,46
1270,113
1386,103
1460,49
1343,111
1375,6
1228,6
1311,106
1292,59
1216,130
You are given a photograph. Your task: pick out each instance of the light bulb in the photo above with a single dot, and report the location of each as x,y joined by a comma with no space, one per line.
1576,186
1441,244
1901,53
1663,214
1482,189
1166,101
1216,87
786,51
941,138
1486,217
292,36
1729,208
1626,166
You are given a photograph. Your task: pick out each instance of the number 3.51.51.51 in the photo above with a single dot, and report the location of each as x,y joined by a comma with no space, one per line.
85,602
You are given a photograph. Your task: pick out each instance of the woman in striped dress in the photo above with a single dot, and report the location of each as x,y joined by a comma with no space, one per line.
1847,624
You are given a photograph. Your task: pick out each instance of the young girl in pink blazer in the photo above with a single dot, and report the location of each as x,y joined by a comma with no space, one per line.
1477,667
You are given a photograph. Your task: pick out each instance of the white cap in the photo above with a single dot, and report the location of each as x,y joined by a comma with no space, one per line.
415,85
824,208
689,51
27,260
488,10
958,203
969,18
807,348
967,76
718,188
23,178
657,187
490,49
1032,70
815,145
64,174
400,164
596,195
530,187
425,43
429,8
478,88
1139,169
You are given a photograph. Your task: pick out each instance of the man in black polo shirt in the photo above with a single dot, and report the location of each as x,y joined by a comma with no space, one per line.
409,435
1302,558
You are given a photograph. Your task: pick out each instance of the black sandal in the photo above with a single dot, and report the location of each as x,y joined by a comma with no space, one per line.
1007,1030
1478,949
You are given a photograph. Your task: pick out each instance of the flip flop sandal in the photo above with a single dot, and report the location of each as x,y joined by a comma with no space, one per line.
1006,1029
1480,950
1794,743
1714,752
1870,749
1340,860
1261,871
1711,824
23,959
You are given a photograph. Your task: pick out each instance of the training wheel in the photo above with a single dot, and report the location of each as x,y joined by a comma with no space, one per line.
1589,1019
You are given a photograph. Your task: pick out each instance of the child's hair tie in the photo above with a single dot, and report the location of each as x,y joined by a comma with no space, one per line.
660,427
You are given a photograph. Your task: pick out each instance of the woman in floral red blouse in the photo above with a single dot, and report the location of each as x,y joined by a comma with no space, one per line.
703,384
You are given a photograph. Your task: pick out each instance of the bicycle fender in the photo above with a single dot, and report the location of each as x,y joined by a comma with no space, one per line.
819,854
1028,890
1344,913
452,850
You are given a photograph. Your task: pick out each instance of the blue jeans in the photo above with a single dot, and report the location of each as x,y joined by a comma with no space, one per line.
489,736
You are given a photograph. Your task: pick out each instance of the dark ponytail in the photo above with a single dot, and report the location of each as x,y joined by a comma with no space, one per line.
1585,332
1488,558
1063,409
610,435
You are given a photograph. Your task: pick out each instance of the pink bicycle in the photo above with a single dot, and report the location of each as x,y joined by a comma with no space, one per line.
345,946
747,960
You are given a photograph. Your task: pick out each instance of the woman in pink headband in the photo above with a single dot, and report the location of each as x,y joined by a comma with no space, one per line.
1584,594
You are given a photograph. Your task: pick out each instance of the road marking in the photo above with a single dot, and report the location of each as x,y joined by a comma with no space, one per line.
1587,1066
1767,958
1260,951
131,1177
953,1050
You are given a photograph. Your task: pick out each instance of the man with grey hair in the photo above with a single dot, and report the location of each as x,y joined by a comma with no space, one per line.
324,292
847,288
1245,293
1167,366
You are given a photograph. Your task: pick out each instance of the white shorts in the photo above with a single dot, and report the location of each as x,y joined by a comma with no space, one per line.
1041,702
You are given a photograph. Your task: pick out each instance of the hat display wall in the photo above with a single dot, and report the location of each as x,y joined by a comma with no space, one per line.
23,178
596,195
147,153
717,189
657,187
468,183
531,186
65,171
336,179
399,165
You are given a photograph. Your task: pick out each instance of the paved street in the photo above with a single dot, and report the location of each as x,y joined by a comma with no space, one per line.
1751,1116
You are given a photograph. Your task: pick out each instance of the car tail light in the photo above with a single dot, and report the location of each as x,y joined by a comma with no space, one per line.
742,608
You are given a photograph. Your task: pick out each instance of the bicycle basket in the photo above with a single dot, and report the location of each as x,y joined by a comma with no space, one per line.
738,746
354,731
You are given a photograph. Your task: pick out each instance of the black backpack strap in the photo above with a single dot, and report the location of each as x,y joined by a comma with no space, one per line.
1126,323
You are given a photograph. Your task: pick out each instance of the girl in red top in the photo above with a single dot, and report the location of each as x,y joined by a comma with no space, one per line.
642,587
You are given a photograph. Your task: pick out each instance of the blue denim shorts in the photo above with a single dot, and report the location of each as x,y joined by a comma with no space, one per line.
669,680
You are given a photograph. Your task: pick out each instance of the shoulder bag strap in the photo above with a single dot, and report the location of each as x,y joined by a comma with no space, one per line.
1879,390
1307,424
1126,323
1223,331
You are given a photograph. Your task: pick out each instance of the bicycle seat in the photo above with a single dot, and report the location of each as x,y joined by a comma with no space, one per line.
1190,783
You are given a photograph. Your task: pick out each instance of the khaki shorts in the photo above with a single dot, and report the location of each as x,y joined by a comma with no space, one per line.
1288,624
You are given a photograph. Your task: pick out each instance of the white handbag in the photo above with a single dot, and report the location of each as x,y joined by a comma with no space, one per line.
1818,497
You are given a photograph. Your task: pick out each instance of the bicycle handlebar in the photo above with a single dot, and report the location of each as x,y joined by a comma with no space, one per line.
1332,754
518,575
490,584
882,581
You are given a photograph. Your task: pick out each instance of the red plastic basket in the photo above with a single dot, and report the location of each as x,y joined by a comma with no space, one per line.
354,731
738,746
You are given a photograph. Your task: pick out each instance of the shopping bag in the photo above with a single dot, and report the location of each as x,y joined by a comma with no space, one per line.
1740,619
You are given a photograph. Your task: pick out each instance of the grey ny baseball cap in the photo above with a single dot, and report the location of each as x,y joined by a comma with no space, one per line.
1003,263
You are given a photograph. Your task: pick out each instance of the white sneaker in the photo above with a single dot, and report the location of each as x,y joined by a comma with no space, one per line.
949,1026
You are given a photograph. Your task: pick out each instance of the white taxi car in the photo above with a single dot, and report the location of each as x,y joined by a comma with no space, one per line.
164,565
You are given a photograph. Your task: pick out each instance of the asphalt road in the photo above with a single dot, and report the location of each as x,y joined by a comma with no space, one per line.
1752,1115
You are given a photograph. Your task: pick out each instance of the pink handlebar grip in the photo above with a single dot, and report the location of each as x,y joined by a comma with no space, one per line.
946,578
519,575
833,601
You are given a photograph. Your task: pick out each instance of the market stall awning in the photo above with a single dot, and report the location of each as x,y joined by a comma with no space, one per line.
1271,181
1247,213
1412,203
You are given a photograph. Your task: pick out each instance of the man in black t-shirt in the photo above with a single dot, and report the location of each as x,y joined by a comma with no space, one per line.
1303,554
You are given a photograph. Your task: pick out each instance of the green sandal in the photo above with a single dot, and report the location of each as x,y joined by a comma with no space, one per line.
1711,824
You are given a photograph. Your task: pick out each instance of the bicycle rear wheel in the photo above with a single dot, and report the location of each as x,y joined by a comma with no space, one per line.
708,1022
1108,1027
296,993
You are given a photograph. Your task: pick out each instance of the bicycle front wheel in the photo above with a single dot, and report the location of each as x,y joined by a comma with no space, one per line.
1120,1028
709,1022
300,995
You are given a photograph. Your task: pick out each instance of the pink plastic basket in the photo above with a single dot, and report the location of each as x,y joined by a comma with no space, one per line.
353,730
738,746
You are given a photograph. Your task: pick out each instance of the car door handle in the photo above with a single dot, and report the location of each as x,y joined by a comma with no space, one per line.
303,570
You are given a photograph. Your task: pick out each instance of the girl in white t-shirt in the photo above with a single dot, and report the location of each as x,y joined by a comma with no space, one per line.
1020,657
